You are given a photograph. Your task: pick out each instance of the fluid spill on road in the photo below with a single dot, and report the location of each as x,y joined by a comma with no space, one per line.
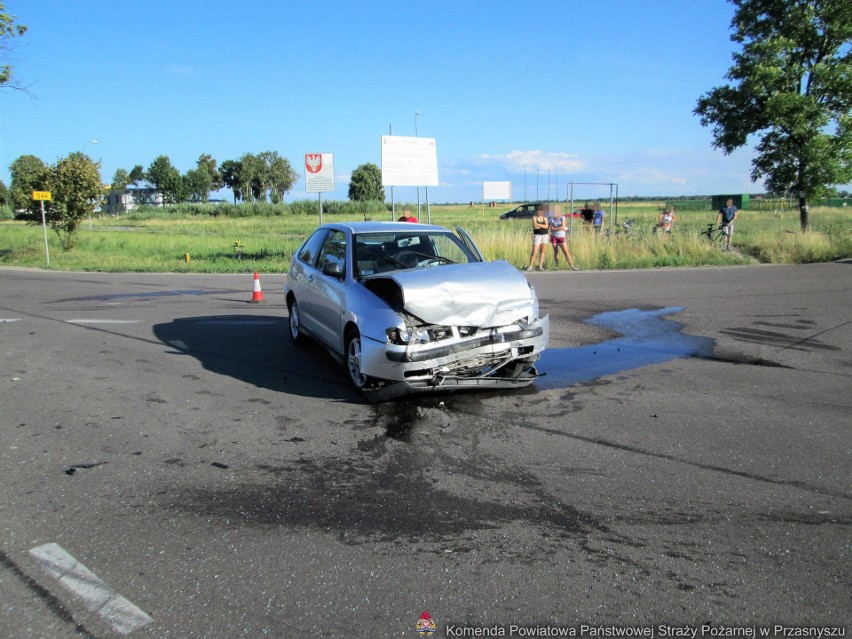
647,337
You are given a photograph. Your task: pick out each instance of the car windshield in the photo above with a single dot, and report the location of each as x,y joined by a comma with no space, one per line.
384,252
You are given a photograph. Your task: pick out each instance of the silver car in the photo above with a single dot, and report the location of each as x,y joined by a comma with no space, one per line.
410,308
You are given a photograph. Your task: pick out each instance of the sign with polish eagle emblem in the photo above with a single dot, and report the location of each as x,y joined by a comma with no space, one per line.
319,172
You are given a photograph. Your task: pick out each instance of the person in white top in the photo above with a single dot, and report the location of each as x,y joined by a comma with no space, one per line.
558,231
667,218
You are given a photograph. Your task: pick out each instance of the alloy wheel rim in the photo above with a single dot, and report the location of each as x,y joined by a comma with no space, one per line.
354,361
294,321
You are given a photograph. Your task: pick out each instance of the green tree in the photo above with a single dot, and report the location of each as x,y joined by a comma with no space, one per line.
280,176
198,183
231,177
366,184
120,180
205,160
5,196
253,178
9,30
166,179
137,175
28,174
75,185
792,88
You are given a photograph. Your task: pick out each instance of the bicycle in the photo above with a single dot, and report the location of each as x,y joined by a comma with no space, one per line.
660,231
626,229
716,235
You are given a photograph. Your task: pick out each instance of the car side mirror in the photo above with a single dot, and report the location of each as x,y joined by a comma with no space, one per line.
333,268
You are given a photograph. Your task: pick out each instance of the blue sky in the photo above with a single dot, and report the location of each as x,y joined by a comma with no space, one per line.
537,93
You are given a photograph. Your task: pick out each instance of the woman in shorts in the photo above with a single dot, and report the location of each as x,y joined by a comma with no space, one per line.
558,232
540,231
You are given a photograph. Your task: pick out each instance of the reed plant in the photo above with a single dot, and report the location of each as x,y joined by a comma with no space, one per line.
201,238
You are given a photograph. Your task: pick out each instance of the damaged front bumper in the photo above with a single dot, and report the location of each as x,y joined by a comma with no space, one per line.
498,359
394,390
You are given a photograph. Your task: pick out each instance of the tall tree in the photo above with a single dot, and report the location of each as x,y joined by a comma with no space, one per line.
206,161
28,174
166,179
253,178
231,177
120,179
280,176
9,30
198,183
75,184
137,175
792,88
365,185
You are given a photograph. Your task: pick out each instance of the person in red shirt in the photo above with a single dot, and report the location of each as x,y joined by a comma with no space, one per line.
407,216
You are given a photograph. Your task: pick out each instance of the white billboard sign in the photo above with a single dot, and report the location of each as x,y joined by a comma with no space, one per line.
496,191
409,161
319,172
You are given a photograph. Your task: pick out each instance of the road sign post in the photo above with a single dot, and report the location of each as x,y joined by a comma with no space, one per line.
42,197
319,175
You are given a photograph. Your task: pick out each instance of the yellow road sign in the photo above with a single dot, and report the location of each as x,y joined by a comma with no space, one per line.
42,195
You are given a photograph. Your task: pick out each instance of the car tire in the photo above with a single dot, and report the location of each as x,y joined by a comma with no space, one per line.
295,323
352,360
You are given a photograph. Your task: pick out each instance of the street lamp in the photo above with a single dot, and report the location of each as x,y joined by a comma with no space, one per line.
417,135
84,153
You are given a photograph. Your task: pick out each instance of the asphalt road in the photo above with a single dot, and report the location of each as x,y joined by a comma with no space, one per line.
173,467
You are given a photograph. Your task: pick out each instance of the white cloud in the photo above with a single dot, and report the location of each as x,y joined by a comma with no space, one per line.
536,159
650,176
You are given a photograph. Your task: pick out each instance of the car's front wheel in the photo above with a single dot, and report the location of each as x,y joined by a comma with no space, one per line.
353,361
295,323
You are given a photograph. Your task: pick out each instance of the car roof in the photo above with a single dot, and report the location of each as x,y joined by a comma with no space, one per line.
385,227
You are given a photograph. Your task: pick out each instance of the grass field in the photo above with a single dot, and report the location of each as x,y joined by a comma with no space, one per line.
165,242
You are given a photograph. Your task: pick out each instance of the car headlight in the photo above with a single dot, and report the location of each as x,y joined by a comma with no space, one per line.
409,334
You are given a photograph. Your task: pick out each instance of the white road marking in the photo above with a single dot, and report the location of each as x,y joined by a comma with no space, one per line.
100,321
241,321
122,615
12,319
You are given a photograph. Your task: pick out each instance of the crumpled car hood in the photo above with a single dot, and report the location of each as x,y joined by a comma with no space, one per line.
482,294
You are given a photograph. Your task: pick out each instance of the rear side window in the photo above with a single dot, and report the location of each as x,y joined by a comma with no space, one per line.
310,249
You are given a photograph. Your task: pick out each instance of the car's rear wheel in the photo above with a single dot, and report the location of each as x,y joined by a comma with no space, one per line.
352,361
295,323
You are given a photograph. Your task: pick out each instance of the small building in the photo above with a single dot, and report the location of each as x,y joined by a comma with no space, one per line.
120,201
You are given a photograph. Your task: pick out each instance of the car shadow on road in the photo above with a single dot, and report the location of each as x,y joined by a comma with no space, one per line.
257,350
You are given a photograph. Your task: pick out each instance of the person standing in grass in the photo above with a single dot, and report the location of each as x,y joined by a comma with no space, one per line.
598,217
725,220
667,218
558,232
539,238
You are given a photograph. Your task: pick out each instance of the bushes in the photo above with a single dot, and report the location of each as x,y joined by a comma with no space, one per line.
352,210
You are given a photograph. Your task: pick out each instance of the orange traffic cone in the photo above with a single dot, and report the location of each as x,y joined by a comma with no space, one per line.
257,295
